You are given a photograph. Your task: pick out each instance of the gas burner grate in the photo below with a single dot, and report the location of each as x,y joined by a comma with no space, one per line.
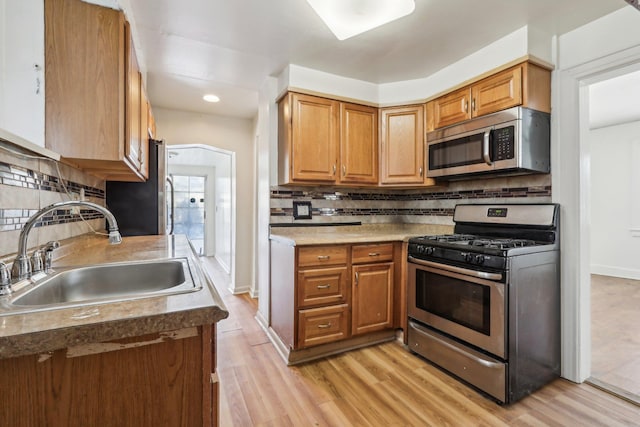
502,243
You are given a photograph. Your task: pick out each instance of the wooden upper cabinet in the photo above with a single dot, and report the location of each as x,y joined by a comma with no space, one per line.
308,138
451,108
133,143
358,144
495,93
144,132
402,149
525,84
92,110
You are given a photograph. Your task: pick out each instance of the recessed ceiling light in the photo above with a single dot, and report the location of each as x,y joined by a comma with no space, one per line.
347,18
211,98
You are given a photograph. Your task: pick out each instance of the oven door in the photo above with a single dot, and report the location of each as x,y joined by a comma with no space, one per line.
466,304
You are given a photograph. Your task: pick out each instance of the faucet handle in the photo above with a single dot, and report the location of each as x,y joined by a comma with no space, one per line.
48,254
37,261
5,279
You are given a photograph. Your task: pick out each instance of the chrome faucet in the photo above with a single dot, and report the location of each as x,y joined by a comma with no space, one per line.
22,267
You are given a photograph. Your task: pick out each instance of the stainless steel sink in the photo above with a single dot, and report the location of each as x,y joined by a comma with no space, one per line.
108,282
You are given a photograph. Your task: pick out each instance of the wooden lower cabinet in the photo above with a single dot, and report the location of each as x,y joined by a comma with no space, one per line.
162,379
327,299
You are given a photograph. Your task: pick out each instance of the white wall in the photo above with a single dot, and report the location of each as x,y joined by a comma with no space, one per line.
524,41
266,166
235,135
585,55
615,186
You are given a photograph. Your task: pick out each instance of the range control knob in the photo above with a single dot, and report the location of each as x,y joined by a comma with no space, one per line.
479,259
428,251
467,257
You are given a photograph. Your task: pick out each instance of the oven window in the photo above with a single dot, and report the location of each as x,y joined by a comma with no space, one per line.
465,303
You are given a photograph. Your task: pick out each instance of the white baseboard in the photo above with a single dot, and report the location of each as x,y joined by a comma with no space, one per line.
237,290
607,270
262,321
224,266
255,293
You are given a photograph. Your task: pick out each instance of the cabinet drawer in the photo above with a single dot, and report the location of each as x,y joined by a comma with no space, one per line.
322,255
322,325
322,286
379,252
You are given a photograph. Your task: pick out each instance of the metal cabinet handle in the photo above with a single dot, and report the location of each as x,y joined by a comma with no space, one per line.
324,325
323,257
420,170
374,254
473,104
334,168
357,278
466,106
327,286
344,170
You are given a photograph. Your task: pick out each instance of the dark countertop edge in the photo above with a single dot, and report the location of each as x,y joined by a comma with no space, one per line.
56,339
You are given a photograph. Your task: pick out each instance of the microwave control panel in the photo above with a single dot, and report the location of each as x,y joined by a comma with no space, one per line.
503,143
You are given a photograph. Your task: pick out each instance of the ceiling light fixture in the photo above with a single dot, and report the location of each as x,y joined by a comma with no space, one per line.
211,98
347,18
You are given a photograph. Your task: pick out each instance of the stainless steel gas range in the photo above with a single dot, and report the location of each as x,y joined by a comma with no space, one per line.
484,302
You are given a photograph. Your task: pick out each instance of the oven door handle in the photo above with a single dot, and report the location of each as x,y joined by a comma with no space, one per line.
460,270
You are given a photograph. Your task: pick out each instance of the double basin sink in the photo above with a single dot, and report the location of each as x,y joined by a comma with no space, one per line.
103,283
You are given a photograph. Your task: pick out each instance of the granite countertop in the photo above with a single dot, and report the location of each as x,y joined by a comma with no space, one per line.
366,233
48,330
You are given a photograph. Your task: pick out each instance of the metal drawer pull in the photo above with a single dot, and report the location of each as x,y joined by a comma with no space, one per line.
374,254
323,286
357,278
321,257
324,325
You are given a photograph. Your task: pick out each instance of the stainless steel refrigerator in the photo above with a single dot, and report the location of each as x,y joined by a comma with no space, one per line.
143,208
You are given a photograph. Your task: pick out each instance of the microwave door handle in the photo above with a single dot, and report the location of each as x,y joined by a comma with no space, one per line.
485,147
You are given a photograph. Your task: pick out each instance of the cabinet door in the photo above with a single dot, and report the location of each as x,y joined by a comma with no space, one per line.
314,138
451,108
402,145
84,73
358,144
372,298
495,93
133,100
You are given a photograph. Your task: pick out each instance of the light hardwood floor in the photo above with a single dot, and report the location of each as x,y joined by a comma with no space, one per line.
382,385
615,334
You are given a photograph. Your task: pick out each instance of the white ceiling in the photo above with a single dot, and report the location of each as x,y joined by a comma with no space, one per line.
228,47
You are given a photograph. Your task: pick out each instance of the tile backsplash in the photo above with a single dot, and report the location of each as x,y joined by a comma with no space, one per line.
29,184
433,206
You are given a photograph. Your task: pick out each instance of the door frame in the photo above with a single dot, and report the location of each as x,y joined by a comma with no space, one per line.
232,172
571,188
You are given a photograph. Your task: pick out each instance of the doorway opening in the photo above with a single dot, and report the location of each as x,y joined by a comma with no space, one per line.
612,142
204,200
189,212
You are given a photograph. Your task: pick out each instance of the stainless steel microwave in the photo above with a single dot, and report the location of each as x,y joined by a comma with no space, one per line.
509,142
